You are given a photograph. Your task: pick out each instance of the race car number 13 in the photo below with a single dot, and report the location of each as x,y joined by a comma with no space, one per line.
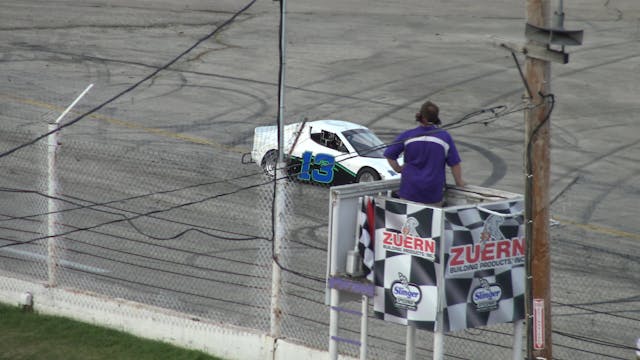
323,167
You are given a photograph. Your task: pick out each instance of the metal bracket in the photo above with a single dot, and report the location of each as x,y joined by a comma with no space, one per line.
553,36
532,50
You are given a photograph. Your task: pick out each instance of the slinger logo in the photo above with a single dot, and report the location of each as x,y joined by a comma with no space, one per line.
405,295
408,241
487,296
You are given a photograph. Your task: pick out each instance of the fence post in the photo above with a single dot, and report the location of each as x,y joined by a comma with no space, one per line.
52,190
278,236
52,209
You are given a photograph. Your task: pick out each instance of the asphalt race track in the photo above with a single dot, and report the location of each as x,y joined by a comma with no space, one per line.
172,106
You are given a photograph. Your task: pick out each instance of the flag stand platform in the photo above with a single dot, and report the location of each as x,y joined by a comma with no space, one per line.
473,246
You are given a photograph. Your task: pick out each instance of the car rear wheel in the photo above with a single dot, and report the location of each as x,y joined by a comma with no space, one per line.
269,162
367,175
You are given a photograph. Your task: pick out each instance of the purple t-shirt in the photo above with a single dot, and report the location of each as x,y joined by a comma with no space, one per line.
426,151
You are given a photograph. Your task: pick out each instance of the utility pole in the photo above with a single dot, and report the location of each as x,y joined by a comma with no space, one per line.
537,165
544,45
540,33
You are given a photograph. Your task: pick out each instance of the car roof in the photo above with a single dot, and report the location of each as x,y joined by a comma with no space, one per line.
336,126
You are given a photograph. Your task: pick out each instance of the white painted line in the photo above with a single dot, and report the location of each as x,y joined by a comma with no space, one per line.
65,263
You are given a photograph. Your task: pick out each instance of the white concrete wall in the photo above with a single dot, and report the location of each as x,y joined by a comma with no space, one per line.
227,342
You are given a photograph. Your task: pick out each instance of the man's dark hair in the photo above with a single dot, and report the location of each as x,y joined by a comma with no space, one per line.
429,113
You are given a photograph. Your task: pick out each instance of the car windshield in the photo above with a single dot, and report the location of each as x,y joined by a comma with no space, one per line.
365,142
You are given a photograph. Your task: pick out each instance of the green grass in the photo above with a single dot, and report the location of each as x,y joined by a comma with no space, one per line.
33,336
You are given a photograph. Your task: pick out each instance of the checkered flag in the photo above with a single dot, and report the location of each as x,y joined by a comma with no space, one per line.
406,257
366,233
484,265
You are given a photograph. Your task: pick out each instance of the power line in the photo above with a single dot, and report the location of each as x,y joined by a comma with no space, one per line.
93,206
134,86
128,219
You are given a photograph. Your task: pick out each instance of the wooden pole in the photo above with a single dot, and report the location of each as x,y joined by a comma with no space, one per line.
537,160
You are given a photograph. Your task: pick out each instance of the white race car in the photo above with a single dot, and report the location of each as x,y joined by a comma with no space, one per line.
330,152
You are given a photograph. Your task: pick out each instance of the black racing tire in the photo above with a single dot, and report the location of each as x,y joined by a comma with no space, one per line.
367,174
269,162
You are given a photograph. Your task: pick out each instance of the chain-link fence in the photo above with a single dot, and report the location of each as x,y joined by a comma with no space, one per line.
191,231
156,210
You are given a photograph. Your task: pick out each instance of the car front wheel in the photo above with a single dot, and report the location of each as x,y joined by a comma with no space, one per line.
367,175
269,162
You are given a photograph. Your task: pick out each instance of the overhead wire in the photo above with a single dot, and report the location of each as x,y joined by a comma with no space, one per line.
96,207
594,341
592,311
120,94
456,124
155,268
163,259
165,288
452,125
92,206
134,86
129,220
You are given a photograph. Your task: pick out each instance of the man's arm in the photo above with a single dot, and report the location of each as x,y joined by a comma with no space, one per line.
456,171
395,165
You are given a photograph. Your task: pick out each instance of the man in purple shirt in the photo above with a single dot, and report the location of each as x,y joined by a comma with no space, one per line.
427,149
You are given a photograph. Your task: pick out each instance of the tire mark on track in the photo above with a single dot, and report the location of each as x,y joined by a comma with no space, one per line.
576,169
398,107
575,172
173,88
588,211
498,168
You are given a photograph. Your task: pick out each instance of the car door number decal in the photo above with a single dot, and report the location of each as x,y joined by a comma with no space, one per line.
324,171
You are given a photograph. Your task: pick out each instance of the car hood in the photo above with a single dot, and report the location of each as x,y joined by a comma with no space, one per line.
381,165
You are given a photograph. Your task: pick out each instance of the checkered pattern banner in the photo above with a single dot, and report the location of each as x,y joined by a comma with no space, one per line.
484,265
366,231
407,243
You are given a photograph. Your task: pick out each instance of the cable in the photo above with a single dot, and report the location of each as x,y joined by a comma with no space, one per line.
132,87
157,269
582,350
94,205
302,275
597,312
634,298
128,219
459,123
165,288
522,77
159,245
493,109
595,341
